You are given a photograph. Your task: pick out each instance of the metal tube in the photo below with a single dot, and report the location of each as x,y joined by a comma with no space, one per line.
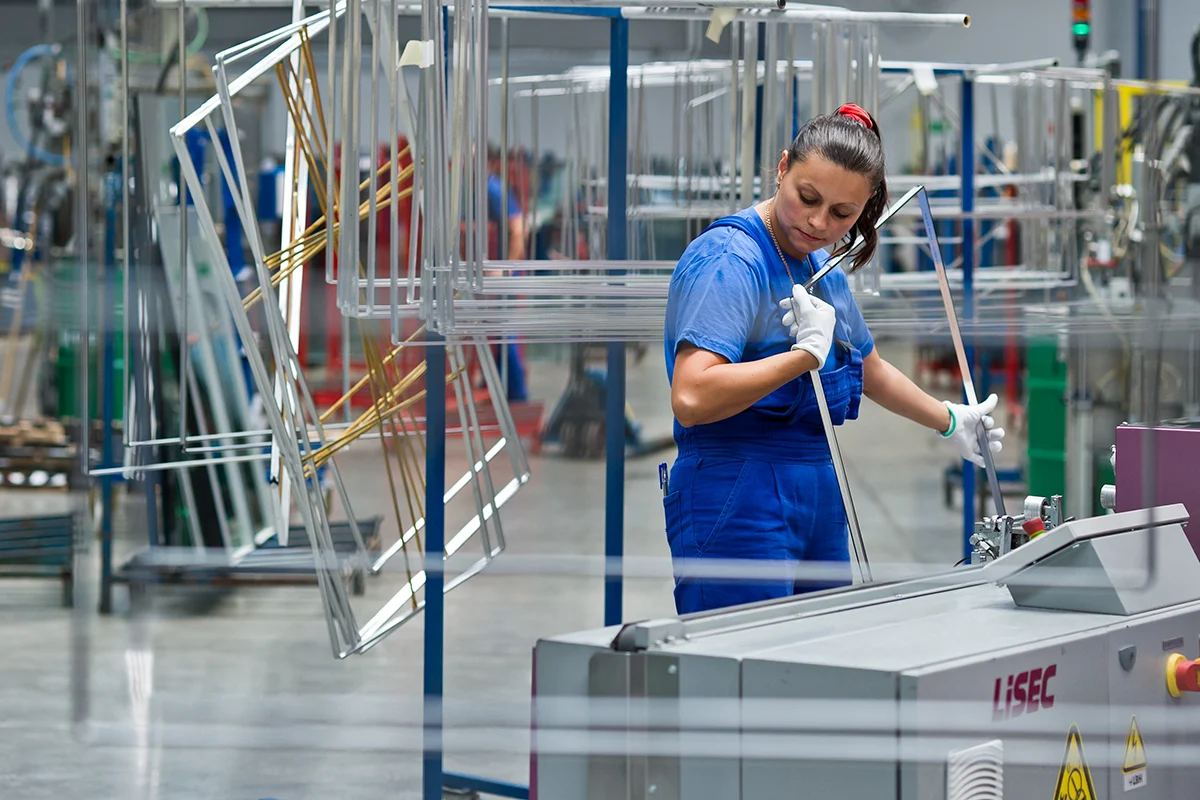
1149,35
460,157
397,89
758,10
870,66
126,255
457,362
771,5
83,226
749,110
480,74
533,168
508,428
504,100
1109,123
824,67
187,463
677,118
835,453
789,85
184,350
614,506
638,162
472,434
794,15
331,198
687,166
348,221
964,362
769,44
372,148
291,288
734,42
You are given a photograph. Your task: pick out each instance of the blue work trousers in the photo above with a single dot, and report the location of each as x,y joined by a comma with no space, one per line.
517,391
782,525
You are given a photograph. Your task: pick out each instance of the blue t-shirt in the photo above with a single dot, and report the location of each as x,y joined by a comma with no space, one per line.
496,203
724,298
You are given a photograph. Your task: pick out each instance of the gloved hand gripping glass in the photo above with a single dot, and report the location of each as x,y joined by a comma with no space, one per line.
964,426
810,321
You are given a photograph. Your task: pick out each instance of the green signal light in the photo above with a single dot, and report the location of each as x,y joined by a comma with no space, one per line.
1081,28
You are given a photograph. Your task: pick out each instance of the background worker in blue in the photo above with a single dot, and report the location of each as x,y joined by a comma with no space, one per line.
753,479
505,211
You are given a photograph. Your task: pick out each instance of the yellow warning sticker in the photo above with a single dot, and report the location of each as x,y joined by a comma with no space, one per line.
1074,776
1134,767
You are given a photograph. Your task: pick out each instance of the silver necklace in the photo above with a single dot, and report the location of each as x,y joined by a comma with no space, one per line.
774,241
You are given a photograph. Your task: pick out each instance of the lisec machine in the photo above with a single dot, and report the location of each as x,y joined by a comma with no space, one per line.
1067,668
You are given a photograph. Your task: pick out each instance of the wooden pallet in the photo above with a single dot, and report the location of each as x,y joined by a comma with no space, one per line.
48,433
35,455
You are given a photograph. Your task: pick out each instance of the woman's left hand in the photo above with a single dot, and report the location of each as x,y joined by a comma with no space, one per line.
964,426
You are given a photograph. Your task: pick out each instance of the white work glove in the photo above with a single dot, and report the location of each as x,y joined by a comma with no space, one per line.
810,321
964,424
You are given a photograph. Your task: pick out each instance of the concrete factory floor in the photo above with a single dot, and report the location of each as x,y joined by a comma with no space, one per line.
235,696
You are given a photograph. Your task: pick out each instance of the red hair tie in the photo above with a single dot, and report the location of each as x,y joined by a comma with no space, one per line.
851,111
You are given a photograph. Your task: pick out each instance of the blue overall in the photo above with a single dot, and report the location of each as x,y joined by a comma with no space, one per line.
759,485
500,213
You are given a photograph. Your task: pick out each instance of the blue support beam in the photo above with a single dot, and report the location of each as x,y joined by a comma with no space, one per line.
967,168
435,546
614,475
105,386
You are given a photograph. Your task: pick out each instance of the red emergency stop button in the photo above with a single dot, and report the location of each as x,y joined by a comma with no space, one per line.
1182,675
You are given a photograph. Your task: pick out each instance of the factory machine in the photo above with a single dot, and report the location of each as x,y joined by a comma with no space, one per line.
1065,668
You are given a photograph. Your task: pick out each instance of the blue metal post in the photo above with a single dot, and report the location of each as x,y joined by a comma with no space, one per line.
967,167
106,320
618,148
435,544
795,95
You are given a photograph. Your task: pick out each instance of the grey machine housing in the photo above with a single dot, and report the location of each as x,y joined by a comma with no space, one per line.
1021,678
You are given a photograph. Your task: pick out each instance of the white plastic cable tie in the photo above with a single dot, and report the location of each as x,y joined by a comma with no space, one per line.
721,17
417,54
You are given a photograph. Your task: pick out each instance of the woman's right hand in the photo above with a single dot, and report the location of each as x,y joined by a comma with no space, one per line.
810,321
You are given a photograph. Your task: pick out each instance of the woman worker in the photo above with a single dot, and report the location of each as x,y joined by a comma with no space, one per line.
753,478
